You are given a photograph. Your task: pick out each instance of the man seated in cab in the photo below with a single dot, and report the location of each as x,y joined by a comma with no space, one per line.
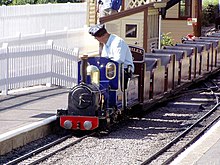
114,48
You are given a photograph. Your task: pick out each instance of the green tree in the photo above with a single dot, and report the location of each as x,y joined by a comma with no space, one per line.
205,3
5,2
210,11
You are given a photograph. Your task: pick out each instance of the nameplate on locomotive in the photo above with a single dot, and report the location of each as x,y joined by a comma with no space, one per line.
137,53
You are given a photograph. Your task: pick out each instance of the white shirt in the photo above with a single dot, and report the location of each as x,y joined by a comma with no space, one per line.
106,4
117,50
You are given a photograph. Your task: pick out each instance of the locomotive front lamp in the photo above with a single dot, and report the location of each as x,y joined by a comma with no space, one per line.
94,73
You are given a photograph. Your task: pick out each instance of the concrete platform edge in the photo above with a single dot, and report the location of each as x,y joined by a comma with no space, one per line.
21,136
191,155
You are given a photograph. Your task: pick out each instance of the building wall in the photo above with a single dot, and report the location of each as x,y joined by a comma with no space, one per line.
173,12
177,27
118,27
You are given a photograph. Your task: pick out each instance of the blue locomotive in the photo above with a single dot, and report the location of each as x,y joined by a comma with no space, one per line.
100,97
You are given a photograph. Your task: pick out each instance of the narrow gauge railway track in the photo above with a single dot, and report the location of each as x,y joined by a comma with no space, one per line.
113,142
139,138
171,150
38,155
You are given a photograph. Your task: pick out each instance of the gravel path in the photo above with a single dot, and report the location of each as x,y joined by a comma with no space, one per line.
134,142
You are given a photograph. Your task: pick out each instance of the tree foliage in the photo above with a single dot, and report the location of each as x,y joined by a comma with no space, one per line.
205,3
23,2
210,12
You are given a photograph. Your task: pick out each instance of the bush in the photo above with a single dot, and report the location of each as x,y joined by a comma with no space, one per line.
167,40
5,2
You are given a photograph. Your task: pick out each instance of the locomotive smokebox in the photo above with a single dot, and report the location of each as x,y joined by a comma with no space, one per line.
83,68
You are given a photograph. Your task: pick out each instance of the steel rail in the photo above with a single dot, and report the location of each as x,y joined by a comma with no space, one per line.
34,152
171,158
60,149
183,134
44,148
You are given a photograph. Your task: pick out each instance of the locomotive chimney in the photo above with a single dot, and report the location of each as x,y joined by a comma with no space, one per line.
84,60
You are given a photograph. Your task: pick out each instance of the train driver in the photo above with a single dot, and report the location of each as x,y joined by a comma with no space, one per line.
114,48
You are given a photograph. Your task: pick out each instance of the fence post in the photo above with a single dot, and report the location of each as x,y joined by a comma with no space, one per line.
19,38
5,49
3,18
67,36
50,45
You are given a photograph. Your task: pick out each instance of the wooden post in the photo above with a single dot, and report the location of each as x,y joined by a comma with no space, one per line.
198,15
123,5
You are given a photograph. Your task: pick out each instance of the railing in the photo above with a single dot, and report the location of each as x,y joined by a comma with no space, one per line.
24,66
135,3
28,19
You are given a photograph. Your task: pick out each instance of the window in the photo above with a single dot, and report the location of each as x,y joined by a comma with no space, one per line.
131,30
185,8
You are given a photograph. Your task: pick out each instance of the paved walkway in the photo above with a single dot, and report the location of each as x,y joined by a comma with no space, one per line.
29,105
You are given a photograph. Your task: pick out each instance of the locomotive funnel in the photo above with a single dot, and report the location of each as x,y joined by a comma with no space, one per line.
84,60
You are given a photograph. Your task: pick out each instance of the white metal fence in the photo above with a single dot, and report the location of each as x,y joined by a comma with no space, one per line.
67,38
24,66
28,58
28,19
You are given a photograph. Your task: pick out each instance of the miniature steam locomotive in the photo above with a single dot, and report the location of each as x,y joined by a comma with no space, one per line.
99,97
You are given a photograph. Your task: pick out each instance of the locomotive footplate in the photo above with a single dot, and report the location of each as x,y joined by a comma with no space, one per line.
79,122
